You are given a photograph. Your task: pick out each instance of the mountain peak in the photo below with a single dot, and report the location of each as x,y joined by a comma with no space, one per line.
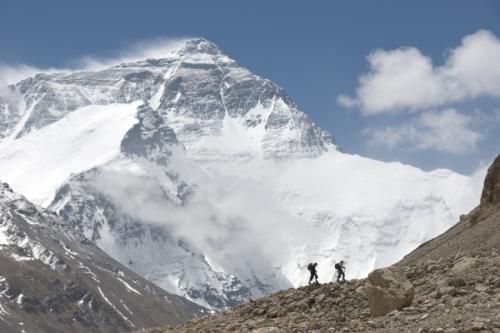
200,45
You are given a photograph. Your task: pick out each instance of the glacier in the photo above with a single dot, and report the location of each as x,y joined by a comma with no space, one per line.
209,181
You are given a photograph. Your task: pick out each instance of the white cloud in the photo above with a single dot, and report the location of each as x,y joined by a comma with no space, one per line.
147,49
15,73
347,102
10,75
155,48
223,210
444,131
406,79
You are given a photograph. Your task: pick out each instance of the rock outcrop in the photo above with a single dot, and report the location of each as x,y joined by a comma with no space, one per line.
388,290
53,280
491,190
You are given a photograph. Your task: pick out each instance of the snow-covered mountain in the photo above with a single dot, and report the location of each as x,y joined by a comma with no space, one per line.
208,180
55,280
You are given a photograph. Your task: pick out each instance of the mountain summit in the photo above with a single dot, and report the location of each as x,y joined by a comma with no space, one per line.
199,45
209,181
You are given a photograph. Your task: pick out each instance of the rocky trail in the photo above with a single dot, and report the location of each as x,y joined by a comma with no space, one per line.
455,294
449,284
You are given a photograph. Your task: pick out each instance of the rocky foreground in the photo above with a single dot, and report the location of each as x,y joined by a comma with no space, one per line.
455,294
449,284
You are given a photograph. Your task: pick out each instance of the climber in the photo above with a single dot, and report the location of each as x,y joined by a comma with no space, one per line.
312,269
340,267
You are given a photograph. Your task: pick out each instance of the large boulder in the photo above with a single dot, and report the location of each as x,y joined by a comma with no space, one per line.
463,265
387,290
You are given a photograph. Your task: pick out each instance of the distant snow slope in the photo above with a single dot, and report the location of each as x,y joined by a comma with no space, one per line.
216,187
371,212
38,163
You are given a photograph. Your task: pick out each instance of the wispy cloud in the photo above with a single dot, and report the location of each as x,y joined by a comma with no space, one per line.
347,102
405,79
222,218
445,131
153,48
146,49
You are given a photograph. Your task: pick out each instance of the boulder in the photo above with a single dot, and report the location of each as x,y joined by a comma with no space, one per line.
388,290
444,287
463,265
270,329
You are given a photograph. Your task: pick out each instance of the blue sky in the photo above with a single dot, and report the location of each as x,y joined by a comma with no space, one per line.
316,50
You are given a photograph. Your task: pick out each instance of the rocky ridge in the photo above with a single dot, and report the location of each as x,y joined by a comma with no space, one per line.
454,284
54,280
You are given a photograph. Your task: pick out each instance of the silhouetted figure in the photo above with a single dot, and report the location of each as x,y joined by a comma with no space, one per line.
314,274
340,267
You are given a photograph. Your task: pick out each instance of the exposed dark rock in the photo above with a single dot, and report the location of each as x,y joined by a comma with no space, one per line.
491,189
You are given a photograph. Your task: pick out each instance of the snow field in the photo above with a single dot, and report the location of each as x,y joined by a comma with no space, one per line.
38,163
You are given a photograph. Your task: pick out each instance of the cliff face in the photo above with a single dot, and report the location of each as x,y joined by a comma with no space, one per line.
491,191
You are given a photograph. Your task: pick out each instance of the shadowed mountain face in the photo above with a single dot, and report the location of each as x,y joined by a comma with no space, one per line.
55,280
208,180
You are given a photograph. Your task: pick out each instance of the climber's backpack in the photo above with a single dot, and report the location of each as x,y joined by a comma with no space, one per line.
337,266
310,267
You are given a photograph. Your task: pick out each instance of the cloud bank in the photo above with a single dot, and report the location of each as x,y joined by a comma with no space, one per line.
222,218
405,79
